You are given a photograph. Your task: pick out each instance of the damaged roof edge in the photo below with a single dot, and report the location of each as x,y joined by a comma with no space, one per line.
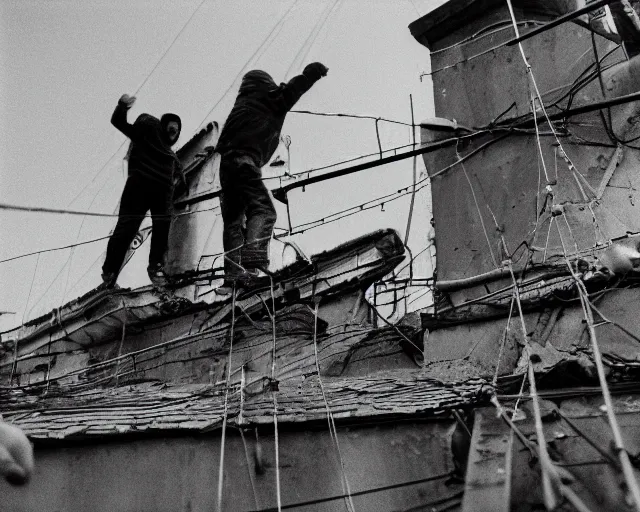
449,16
159,410
386,241
454,14
196,138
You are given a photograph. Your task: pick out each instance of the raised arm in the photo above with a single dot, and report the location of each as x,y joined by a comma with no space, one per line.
119,117
300,84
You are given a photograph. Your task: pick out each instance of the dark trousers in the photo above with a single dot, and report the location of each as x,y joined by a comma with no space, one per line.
247,212
139,196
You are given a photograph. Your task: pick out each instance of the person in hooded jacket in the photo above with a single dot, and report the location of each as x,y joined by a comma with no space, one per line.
248,140
153,165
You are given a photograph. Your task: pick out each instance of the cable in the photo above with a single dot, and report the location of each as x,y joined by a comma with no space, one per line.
485,32
95,176
136,92
414,175
15,345
352,116
346,488
309,171
226,399
272,314
55,249
250,60
362,493
38,209
15,207
507,329
475,202
169,47
624,459
96,239
623,455
310,40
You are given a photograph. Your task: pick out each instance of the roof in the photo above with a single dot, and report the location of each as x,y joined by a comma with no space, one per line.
158,408
98,315
454,14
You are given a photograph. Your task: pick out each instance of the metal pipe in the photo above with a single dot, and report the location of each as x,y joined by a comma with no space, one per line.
413,192
281,193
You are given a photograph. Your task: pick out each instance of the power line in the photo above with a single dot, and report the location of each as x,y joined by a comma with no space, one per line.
95,239
136,92
15,207
55,249
169,47
311,38
354,116
362,493
39,209
250,59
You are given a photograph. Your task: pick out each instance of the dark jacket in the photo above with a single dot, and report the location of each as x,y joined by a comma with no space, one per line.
151,156
254,124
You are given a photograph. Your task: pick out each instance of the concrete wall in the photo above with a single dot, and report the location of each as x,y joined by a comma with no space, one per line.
501,190
181,474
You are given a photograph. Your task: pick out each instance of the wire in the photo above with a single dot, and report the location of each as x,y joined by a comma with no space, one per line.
628,471
485,32
96,239
38,209
226,399
95,176
272,314
363,493
15,207
507,329
414,175
250,60
136,92
169,47
55,248
15,347
346,488
352,116
311,38
309,171
475,201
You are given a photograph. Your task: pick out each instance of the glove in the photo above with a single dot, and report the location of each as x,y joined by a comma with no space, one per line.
127,100
315,71
16,455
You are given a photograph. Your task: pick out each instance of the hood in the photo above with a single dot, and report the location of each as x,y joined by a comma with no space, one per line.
257,81
166,119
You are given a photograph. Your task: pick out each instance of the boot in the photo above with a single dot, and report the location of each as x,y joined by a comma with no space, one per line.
156,275
108,281
252,281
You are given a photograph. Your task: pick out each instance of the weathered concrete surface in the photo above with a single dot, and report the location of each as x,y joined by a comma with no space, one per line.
559,340
148,334
500,192
190,227
488,478
181,474
472,349
597,479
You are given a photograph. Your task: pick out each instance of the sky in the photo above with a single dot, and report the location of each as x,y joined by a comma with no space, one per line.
65,63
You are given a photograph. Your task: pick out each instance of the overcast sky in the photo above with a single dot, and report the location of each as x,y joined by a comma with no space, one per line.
65,63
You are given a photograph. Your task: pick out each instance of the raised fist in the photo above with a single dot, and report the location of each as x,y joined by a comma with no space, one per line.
127,100
315,70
